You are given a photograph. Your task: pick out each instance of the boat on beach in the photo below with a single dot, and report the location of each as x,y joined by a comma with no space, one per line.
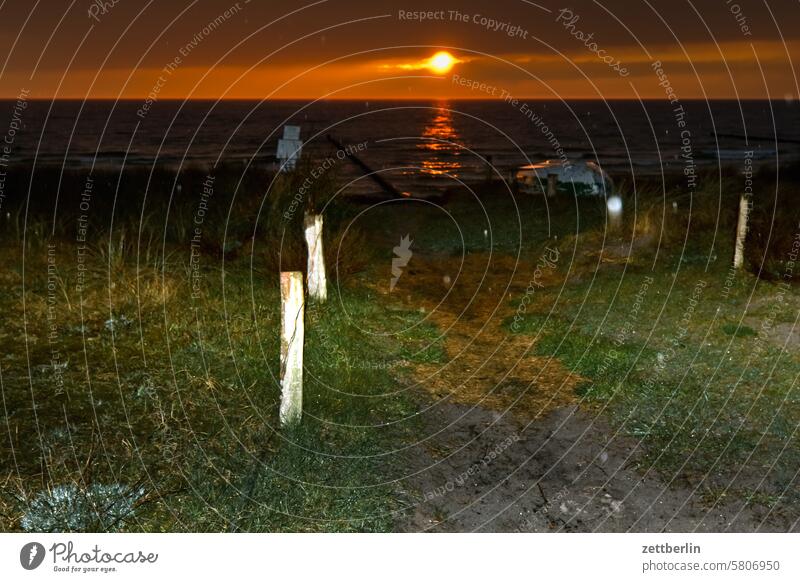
581,178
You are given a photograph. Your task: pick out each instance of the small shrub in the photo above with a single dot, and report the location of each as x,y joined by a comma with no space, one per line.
738,330
69,508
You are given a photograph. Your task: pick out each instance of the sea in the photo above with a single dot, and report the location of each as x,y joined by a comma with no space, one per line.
418,146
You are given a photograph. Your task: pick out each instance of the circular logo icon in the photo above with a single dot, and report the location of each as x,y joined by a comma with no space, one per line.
31,555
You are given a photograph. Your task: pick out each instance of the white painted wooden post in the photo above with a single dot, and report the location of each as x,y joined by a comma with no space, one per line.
741,231
292,338
317,282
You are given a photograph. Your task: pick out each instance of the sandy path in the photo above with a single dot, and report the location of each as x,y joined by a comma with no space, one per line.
510,449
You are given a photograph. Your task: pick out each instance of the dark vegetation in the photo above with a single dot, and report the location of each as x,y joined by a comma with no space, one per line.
698,362
140,393
150,213
142,397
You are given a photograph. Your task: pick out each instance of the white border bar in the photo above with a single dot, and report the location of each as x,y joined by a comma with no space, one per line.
409,557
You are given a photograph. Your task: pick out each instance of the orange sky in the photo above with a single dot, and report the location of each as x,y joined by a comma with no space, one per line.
227,49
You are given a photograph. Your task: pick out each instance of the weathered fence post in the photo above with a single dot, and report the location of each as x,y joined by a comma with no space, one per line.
552,185
317,282
741,231
292,338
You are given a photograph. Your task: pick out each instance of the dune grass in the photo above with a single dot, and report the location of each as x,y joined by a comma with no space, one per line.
697,362
133,384
140,391
140,370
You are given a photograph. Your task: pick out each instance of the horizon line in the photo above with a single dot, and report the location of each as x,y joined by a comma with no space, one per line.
378,99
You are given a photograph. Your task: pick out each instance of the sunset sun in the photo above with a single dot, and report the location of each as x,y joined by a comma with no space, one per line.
441,62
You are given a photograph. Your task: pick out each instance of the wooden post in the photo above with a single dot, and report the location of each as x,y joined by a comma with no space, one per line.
741,231
552,184
292,338
317,282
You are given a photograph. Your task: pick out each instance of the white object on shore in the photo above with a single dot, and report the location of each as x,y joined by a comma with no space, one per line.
317,281
614,206
741,231
585,178
290,146
292,340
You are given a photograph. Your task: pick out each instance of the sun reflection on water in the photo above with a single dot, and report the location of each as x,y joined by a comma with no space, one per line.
442,156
